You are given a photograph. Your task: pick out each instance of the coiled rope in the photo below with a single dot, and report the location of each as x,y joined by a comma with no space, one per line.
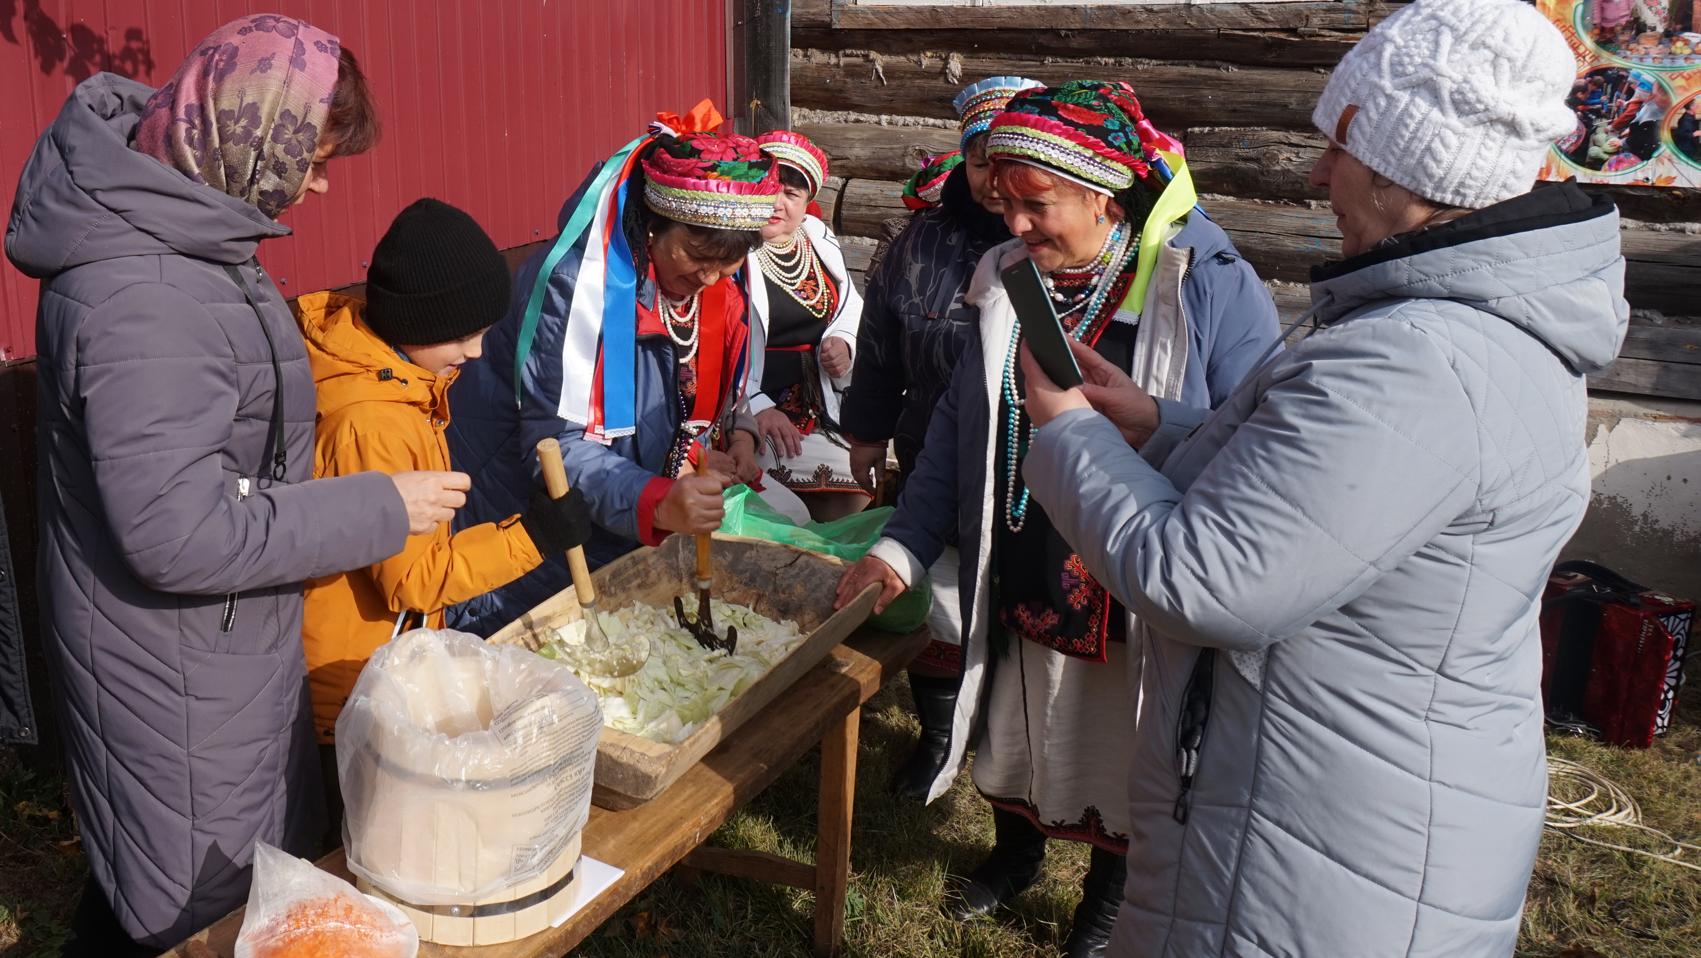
1592,800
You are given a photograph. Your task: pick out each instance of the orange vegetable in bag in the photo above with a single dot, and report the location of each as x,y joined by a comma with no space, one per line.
297,911
320,927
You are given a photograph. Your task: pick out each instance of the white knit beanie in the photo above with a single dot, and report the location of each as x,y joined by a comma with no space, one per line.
1455,100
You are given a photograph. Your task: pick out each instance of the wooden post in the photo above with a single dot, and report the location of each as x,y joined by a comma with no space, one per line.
833,834
767,64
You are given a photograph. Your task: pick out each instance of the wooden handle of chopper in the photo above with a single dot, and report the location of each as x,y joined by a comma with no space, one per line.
704,539
555,481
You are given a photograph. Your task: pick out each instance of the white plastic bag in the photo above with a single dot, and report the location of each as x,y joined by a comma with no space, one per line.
297,911
465,767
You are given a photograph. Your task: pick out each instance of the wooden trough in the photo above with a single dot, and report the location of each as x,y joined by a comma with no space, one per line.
779,581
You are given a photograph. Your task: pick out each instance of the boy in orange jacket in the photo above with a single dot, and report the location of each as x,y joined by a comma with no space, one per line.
383,369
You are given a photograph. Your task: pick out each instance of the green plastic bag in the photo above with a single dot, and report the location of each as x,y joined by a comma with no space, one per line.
747,514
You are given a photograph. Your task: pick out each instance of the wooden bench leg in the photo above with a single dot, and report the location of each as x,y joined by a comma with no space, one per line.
833,834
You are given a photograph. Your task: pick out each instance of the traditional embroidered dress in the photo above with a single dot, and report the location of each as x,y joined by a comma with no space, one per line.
805,297
1047,696
1059,656
1059,642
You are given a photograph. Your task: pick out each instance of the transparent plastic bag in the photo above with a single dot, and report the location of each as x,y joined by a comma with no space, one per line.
297,911
747,514
465,767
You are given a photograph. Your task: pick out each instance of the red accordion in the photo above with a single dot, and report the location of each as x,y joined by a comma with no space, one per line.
1612,653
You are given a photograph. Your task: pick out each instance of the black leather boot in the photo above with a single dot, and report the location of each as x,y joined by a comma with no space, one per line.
935,703
1101,896
1018,855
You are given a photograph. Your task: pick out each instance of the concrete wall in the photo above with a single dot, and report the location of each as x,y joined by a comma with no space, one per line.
1645,516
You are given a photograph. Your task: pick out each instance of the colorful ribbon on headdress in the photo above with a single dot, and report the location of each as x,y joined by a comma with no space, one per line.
599,347
1178,198
702,118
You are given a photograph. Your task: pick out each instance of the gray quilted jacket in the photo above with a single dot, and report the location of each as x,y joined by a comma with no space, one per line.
170,575
1363,529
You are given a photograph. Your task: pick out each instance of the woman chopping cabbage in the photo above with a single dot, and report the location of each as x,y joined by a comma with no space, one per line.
626,342
804,314
1101,203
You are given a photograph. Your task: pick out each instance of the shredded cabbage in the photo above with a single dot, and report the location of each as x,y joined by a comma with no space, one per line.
683,684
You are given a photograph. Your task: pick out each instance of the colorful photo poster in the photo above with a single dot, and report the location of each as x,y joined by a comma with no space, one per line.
1638,92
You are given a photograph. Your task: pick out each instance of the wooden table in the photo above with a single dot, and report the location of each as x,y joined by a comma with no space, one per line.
823,707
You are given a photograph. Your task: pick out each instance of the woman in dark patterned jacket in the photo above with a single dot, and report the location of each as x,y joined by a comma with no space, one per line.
914,326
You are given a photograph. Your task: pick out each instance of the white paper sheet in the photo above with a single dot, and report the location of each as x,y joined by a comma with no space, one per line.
595,877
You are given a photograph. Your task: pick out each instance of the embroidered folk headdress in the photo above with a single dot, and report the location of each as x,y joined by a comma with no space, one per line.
978,103
721,182
927,184
1091,132
798,152
706,179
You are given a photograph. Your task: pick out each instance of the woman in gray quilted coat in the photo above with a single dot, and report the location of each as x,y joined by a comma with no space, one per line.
176,438
1339,745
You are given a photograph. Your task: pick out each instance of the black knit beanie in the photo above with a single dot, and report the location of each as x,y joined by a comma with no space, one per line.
435,277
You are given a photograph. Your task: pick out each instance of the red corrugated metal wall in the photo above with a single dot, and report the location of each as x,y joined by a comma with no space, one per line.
497,106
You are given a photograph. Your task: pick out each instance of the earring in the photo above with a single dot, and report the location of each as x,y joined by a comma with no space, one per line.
1101,219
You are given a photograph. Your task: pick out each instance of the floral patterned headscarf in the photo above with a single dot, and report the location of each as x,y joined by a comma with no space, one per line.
244,112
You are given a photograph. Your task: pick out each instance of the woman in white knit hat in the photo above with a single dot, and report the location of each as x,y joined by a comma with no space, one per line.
1338,750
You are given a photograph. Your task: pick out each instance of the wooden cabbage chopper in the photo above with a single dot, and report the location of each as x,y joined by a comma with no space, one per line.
779,581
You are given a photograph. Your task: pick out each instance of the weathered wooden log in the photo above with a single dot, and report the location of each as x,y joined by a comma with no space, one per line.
1356,15
856,257
876,151
866,204
1660,361
1175,95
811,14
828,200
1283,241
1254,163
1663,268
1275,165
767,65
1253,48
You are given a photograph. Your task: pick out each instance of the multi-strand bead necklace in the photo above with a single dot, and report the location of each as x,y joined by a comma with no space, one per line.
793,265
684,314
1119,244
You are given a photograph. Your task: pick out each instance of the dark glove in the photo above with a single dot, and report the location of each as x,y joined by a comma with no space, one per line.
557,525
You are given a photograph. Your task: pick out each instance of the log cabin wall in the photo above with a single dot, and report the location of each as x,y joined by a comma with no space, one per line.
872,83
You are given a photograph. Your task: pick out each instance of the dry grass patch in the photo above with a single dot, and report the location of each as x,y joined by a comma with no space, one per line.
1584,902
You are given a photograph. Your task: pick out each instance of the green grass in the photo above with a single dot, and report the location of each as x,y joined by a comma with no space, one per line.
1587,901
1584,902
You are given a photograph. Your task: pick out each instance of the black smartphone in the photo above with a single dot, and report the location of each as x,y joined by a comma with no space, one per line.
1046,338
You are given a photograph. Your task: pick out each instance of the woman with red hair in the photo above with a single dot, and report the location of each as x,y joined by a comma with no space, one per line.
1100,201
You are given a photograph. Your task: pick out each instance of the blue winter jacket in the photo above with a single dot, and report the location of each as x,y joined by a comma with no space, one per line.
496,442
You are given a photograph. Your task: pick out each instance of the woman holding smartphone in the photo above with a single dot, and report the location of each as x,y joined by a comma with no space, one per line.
1340,568
1100,202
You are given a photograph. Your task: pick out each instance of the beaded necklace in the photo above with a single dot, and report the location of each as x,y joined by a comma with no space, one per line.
682,440
1120,247
690,317
1109,251
793,266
